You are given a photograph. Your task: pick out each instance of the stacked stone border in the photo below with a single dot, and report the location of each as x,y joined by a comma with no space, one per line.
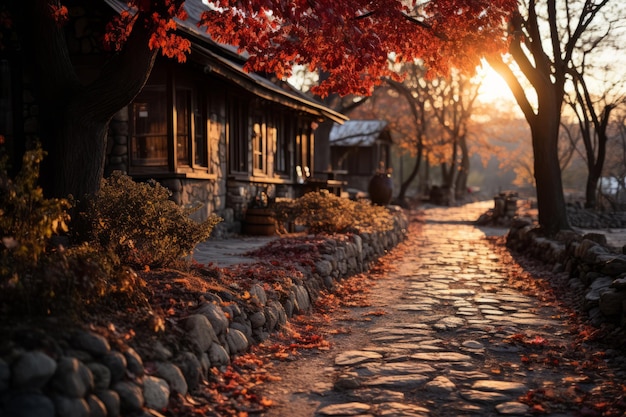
595,272
81,373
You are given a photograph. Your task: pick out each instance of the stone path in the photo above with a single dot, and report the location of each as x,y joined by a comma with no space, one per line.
445,345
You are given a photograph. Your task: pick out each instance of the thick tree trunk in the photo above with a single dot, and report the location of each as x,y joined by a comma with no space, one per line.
591,188
552,212
74,118
81,146
544,123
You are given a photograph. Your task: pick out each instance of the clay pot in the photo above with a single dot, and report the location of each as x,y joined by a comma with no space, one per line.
381,189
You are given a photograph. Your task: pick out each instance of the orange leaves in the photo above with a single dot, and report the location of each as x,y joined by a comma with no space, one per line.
118,30
59,14
376,313
233,391
351,41
170,44
295,337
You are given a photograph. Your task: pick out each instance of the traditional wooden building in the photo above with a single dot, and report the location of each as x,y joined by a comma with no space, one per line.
216,136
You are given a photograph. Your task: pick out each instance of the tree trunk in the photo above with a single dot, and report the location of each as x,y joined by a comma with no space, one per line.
405,184
591,188
552,213
544,122
447,182
74,119
81,143
595,167
464,168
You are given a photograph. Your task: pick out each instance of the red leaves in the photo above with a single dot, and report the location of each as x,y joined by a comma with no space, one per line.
59,14
163,38
579,355
228,393
351,41
537,341
118,31
159,18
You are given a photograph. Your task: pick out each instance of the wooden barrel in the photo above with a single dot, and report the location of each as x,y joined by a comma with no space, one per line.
259,222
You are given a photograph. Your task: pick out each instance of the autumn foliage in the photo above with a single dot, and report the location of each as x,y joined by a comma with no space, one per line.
159,17
323,212
350,41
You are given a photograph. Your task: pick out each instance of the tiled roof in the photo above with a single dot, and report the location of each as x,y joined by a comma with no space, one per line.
358,133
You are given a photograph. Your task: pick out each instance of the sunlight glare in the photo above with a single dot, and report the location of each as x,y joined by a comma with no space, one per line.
493,87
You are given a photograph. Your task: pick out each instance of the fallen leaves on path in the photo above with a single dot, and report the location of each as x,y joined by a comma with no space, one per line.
590,387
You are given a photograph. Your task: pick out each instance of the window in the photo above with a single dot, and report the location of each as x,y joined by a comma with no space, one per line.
169,117
149,120
200,136
237,134
183,125
267,139
284,137
304,144
259,144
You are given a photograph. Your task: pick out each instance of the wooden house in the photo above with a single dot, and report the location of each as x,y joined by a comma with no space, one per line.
218,137
358,148
214,134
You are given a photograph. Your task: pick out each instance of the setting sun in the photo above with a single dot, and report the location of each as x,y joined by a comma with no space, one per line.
493,87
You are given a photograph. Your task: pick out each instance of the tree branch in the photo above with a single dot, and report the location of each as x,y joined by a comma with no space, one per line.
498,64
122,77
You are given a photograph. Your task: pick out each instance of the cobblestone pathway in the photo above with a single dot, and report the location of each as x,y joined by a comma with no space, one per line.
443,346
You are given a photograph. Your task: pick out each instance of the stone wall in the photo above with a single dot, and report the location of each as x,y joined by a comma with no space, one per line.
81,373
595,271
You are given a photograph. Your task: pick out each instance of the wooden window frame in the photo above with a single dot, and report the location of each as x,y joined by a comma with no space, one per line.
192,112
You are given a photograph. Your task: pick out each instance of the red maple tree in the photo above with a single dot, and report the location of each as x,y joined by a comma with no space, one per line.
349,40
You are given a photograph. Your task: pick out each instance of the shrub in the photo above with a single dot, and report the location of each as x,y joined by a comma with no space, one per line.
323,212
71,280
28,220
139,223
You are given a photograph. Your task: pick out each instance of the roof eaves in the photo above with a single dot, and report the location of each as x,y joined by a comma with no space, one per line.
228,57
264,88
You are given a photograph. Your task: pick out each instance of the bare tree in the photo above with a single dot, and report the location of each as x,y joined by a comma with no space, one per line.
615,165
545,40
452,100
412,90
593,114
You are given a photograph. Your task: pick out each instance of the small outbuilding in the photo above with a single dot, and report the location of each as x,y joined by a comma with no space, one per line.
358,149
